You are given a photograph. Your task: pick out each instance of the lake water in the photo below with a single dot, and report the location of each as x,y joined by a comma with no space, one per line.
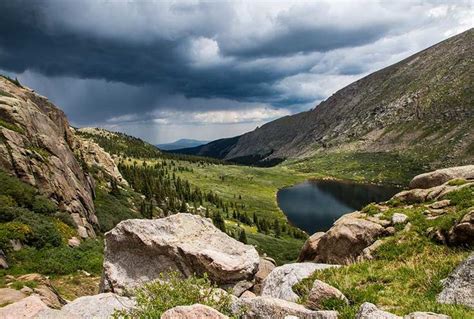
315,205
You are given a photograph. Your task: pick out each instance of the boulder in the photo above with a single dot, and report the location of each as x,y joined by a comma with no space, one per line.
369,311
138,250
321,292
367,253
27,307
399,218
265,267
44,289
8,296
195,311
74,241
463,232
441,176
242,286
458,288
248,294
346,240
440,204
56,314
425,315
273,308
279,283
98,306
308,252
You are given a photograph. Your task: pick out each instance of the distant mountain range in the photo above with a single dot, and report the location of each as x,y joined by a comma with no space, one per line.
422,106
182,143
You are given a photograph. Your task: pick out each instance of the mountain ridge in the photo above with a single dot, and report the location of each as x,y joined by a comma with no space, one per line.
426,97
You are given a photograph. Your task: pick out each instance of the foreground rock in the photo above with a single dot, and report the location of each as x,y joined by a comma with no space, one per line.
273,308
265,267
44,289
370,311
138,250
308,252
193,312
98,306
28,307
8,296
280,281
459,286
321,292
441,176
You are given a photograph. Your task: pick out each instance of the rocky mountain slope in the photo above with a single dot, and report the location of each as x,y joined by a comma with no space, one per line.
422,105
38,146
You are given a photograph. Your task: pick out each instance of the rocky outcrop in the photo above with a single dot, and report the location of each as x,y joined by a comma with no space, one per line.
441,176
138,250
36,145
43,289
193,312
28,307
459,287
321,292
346,240
273,308
279,283
308,252
95,156
420,195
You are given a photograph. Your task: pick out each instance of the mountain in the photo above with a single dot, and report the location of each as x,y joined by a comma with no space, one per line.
182,143
421,106
38,147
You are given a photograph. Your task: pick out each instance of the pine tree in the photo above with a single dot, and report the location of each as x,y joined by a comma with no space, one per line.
243,236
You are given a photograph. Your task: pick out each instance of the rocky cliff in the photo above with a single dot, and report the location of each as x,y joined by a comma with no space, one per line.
38,146
421,105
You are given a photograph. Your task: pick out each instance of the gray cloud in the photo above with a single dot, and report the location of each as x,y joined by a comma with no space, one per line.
151,63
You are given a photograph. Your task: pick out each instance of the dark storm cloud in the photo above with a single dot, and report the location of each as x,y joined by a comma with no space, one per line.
121,62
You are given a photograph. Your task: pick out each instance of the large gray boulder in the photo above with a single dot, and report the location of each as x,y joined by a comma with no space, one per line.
195,311
441,176
280,281
273,308
459,286
97,306
138,250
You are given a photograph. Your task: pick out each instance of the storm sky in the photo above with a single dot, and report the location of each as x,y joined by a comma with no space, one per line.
205,70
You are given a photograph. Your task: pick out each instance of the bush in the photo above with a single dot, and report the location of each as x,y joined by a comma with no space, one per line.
111,210
171,290
42,205
62,260
43,230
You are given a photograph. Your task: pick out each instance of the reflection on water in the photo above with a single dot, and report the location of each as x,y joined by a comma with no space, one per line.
314,205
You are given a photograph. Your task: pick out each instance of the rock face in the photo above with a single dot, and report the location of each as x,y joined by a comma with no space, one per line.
28,307
37,146
346,240
308,252
195,311
321,292
459,287
95,156
138,250
98,306
273,308
280,281
441,176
